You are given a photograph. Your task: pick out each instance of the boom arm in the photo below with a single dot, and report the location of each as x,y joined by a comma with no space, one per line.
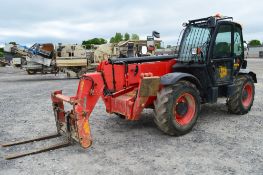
126,89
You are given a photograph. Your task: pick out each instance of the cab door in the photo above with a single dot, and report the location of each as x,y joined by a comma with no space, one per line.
222,59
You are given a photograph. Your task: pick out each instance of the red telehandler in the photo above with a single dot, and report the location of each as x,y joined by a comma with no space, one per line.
210,64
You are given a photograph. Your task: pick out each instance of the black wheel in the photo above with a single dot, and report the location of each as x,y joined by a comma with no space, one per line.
177,108
242,99
31,72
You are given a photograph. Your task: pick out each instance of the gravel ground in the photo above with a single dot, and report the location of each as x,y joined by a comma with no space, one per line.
220,143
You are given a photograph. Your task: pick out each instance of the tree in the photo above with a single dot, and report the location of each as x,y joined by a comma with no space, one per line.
254,43
135,37
117,38
12,42
1,52
94,41
158,46
126,36
112,40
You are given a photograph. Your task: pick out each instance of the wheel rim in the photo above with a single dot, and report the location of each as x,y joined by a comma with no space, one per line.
184,109
247,95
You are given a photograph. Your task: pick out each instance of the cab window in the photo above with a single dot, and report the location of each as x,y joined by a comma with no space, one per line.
238,49
222,47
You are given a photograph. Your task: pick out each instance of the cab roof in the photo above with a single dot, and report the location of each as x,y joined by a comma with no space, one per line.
211,21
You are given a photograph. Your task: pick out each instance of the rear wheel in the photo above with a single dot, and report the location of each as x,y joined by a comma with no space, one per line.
242,99
177,108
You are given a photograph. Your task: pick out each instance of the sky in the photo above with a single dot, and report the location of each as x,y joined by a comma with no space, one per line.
31,21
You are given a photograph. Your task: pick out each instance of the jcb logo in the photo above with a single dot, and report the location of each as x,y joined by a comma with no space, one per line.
222,71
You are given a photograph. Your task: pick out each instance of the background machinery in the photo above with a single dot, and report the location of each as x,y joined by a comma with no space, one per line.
210,64
44,58
47,58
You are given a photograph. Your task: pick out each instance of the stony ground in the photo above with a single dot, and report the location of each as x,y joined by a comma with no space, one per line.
220,143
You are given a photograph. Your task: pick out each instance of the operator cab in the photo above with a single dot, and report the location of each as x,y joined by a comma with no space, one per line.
212,50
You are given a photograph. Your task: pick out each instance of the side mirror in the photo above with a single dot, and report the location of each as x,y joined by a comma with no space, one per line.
245,46
144,50
156,34
196,51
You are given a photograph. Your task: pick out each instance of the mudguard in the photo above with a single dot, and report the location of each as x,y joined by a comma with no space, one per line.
172,78
247,71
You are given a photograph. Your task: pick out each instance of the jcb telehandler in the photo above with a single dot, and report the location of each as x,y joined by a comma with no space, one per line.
210,64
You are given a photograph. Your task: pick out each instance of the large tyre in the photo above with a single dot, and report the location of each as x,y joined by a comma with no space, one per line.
242,99
177,108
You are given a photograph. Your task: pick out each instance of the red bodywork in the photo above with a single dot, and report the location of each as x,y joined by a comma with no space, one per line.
126,89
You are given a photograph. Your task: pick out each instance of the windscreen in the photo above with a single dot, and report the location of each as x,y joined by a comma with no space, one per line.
194,44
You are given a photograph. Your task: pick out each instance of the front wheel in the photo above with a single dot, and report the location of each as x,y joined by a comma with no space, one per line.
177,108
242,99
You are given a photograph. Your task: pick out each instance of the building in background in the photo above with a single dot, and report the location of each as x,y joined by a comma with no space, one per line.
255,52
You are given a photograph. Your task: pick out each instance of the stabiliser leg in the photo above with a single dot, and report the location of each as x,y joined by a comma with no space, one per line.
52,147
